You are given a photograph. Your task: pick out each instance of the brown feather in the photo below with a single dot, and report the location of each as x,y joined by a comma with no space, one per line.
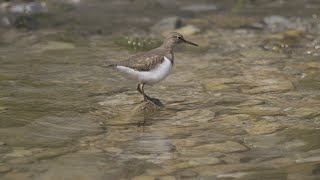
146,61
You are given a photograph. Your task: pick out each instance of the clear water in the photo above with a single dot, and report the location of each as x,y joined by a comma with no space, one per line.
232,109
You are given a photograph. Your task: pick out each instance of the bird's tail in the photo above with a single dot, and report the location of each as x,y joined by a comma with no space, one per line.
108,65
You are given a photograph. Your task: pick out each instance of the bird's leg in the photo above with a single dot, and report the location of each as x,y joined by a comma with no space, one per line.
144,94
141,91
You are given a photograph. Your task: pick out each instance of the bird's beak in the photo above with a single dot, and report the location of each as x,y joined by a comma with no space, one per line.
189,42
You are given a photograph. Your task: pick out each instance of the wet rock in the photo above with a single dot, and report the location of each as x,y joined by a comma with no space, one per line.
305,113
14,175
117,100
199,7
194,116
160,171
258,86
143,178
260,111
233,175
198,162
113,150
214,85
265,141
232,124
185,142
188,174
19,153
294,144
4,168
167,24
204,161
51,131
272,88
263,127
22,160
233,158
308,159
252,102
54,46
50,153
225,147
222,169
310,156
85,166
167,178
188,30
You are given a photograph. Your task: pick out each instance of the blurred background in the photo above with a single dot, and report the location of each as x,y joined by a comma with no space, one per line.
242,105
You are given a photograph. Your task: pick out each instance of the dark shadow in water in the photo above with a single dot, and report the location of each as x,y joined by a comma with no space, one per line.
155,101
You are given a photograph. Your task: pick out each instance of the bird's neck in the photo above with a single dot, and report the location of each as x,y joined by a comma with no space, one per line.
168,45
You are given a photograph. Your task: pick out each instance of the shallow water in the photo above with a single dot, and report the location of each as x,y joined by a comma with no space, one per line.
241,106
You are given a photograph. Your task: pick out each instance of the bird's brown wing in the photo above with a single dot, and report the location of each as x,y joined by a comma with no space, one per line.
142,62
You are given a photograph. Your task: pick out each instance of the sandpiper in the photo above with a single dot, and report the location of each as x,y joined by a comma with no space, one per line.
153,66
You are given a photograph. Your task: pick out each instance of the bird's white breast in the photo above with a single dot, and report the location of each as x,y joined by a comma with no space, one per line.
153,76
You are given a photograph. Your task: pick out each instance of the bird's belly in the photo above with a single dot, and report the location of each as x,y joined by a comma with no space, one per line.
150,77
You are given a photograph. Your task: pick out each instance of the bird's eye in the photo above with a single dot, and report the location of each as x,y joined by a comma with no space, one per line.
179,37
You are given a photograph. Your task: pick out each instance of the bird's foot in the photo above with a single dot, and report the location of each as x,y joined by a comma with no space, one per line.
154,101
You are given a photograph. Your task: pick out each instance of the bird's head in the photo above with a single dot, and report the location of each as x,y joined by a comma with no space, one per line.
176,38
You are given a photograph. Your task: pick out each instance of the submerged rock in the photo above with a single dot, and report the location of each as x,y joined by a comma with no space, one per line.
4,168
143,177
263,127
226,147
260,111
50,131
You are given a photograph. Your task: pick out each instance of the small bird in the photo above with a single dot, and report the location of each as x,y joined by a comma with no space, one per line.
152,66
